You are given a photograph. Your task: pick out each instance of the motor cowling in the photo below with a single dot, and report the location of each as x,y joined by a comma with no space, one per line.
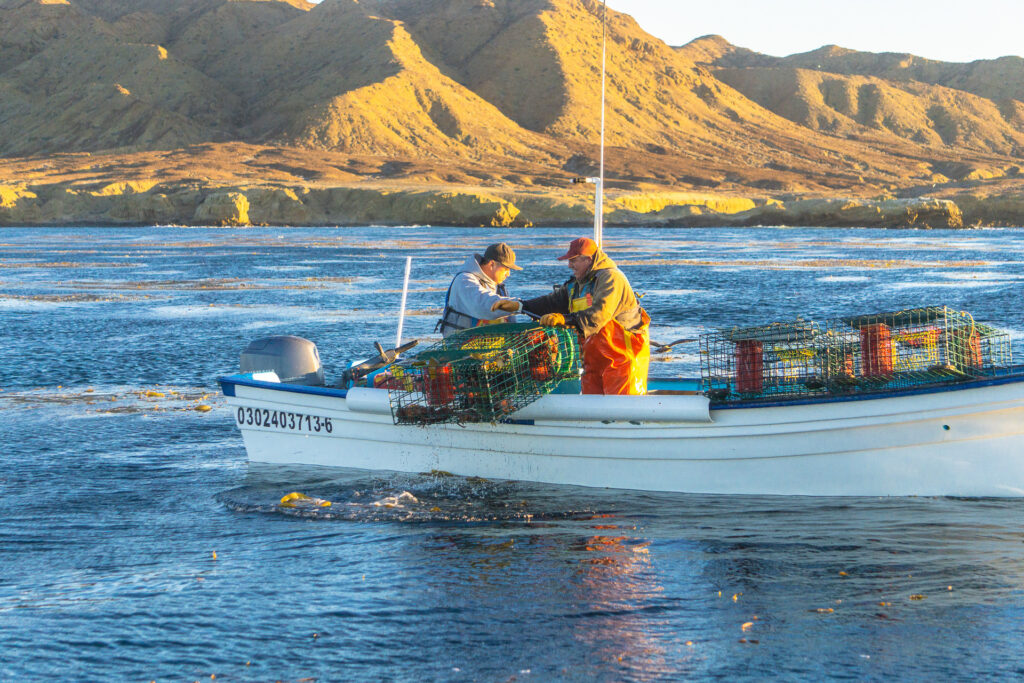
295,360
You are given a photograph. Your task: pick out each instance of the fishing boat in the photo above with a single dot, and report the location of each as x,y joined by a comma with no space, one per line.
966,440
858,417
925,402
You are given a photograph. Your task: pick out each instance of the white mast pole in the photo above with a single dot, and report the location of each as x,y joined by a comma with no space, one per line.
405,292
599,189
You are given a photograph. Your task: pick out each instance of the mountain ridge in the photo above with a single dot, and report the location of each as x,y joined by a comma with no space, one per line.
492,91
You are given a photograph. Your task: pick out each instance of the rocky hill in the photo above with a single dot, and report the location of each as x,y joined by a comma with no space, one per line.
194,98
973,107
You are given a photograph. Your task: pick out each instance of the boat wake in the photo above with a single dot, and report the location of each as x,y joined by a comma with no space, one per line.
336,494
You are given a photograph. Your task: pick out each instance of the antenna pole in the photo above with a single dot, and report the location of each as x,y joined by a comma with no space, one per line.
599,189
405,293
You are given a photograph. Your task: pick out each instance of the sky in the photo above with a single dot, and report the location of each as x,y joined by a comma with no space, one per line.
946,30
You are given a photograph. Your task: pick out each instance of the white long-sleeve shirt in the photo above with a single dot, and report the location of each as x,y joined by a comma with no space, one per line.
472,294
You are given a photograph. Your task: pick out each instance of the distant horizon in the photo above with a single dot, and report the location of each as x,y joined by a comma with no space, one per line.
943,30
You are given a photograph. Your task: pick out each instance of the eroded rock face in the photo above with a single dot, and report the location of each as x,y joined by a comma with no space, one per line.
302,206
279,206
223,208
438,208
890,213
995,211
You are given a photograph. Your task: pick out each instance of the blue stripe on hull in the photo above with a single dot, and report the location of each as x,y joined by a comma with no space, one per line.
1009,376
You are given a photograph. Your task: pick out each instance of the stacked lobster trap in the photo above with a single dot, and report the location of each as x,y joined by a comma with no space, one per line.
764,361
483,374
870,353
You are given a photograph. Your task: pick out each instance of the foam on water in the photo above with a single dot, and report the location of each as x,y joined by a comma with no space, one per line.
983,275
959,284
13,304
285,269
272,313
844,278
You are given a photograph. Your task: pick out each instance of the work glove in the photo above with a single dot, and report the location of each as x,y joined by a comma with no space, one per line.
552,319
507,305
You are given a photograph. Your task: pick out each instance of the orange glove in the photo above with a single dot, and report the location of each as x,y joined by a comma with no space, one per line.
552,319
507,305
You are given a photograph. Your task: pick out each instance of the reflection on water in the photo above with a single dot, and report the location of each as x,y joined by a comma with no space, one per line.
138,544
639,586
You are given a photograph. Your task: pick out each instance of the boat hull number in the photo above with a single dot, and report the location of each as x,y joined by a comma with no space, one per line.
282,419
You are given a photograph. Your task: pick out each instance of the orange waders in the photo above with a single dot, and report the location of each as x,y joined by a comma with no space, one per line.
615,361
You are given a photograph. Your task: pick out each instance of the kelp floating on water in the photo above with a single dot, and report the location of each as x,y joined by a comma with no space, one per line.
120,401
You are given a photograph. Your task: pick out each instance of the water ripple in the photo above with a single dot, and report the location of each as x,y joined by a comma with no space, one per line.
140,545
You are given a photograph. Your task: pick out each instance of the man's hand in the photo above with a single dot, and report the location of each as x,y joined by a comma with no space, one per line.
507,305
552,320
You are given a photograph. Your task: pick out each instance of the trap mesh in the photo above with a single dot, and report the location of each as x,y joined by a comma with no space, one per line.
482,374
765,361
871,353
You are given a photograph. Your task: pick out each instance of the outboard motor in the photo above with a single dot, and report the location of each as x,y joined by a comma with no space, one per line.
294,359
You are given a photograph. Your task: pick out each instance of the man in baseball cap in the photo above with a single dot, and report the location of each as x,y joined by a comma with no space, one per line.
599,302
581,246
477,294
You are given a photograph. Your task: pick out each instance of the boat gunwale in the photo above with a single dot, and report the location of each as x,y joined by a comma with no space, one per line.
1014,374
1017,375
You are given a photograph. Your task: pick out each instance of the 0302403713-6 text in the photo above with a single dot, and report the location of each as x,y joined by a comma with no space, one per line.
281,419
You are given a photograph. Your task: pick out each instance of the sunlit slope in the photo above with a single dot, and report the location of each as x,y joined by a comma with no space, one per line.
85,88
193,30
846,105
500,50
180,11
345,79
538,61
974,106
200,33
996,79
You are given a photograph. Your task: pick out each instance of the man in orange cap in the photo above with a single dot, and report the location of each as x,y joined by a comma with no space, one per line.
598,301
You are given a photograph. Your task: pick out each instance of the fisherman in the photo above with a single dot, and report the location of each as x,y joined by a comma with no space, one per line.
598,301
477,294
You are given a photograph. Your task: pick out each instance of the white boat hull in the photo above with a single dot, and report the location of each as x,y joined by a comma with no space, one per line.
963,442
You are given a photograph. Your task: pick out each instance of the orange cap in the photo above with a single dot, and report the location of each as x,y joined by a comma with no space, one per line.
581,246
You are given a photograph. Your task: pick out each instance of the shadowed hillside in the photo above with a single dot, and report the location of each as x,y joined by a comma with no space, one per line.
538,61
358,82
480,93
972,107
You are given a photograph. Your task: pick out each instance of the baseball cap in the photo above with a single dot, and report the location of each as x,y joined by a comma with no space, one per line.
503,254
581,246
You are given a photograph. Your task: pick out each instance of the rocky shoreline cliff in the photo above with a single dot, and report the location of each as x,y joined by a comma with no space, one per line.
123,204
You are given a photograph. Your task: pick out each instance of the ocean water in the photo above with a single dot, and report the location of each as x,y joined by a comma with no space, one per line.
137,543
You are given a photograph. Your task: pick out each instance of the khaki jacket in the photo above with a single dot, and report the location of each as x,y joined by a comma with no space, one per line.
612,298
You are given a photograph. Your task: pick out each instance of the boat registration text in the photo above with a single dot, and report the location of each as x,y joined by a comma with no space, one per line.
280,419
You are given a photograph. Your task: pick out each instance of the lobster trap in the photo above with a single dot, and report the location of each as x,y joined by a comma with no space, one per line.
914,347
483,374
765,361
870,353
